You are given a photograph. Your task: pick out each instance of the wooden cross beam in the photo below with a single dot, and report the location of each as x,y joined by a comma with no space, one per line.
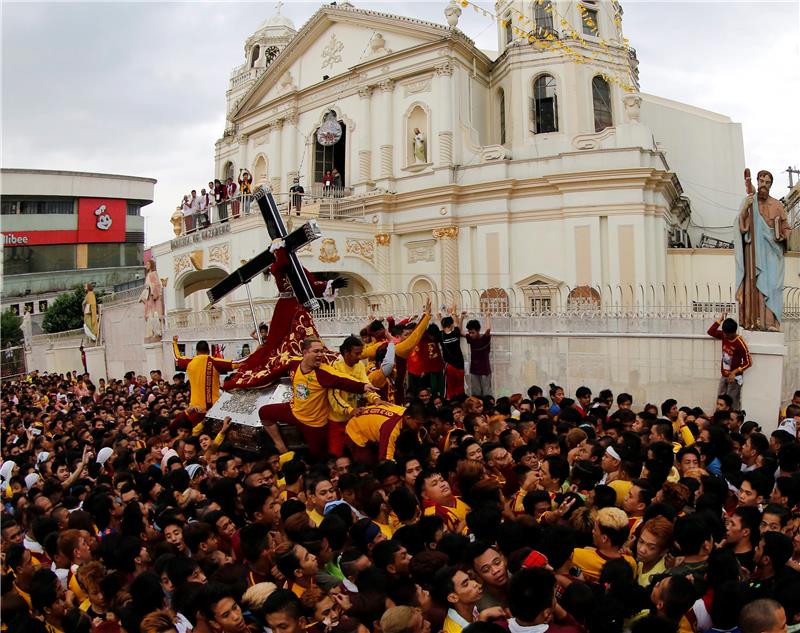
301,286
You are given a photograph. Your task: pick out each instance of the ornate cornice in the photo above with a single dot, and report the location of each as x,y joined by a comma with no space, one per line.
445,231
445,69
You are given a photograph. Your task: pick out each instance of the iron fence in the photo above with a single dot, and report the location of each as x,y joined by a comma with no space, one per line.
582,303
12,362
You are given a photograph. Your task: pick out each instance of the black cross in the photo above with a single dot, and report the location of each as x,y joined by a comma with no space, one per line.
295,240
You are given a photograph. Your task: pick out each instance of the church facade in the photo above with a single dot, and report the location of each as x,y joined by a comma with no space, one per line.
455,168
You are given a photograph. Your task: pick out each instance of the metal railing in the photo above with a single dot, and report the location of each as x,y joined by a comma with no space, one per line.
57,336
609,306
123,296
333,203
12,362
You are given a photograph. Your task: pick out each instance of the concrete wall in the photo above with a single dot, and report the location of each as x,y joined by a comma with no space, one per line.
42,183
651,359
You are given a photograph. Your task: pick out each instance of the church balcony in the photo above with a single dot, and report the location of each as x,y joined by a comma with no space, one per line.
333,203
244,77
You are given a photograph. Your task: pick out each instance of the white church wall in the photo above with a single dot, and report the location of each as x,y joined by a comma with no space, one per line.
706,151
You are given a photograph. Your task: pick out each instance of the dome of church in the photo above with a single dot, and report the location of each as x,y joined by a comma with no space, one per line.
278,21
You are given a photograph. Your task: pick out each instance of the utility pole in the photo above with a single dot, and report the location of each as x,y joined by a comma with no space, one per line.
792,170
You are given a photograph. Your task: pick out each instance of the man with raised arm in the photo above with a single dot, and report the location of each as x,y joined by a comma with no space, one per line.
203,371
404,345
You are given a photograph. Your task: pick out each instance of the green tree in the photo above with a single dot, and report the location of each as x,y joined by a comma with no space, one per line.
65,313
10,331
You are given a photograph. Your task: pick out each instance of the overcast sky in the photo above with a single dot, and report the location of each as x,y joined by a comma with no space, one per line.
139,88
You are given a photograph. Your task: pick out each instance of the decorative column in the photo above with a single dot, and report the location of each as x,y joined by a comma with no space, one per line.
277,173
444,99
382,262
364,139
290,138
387,148
242,161
448,238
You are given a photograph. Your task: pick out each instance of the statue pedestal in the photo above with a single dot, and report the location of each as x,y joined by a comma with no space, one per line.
763,381
154,359
96,362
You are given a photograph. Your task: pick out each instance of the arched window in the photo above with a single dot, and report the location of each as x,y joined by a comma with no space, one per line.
494,301
254,55
501,105
508,28
543,17
229,171
601,102
544,105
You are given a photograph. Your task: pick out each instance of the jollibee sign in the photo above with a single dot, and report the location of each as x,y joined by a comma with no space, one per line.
99,220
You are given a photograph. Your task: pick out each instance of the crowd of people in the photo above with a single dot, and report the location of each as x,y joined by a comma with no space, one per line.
424,508
229,198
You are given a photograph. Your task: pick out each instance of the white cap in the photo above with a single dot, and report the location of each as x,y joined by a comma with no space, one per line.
788,425
31,480
103,454
193,470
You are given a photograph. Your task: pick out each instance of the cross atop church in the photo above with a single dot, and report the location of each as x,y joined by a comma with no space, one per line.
301,286
278,6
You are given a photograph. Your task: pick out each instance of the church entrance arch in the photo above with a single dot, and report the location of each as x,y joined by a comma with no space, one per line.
189,290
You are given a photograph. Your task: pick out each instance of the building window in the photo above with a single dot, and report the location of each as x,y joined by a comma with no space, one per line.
133,208
19,260
64,206
328,157
543,18
9,207
104,255
544,110
494,301
254,55
508,26
601,102
502,106
712,307
132,254
590,26
541,305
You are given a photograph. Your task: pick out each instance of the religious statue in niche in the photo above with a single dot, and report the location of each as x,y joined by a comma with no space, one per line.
153,298
759,248
420,147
